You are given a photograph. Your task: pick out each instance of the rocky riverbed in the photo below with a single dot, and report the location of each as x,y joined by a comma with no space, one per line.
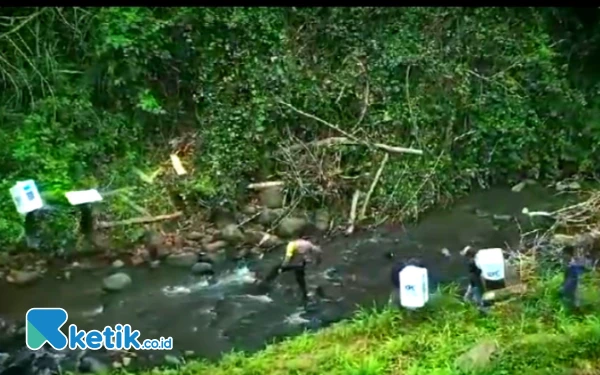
213,307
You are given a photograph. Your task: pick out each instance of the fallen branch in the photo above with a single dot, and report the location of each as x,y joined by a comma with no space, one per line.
504,293
353,212
265,185
373,184
335,141
139,220
249,219
350,136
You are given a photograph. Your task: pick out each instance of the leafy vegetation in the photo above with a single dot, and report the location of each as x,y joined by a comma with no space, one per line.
489,94
533,334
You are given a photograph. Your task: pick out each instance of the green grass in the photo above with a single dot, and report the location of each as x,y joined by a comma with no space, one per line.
534,335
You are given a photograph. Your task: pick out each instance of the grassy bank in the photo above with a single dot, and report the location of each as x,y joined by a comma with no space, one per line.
534,335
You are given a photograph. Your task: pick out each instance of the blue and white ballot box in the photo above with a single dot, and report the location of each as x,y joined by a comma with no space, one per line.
26,197
414,287
491,263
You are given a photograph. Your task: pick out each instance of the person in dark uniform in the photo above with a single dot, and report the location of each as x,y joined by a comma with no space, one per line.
573,271
394,299
475,289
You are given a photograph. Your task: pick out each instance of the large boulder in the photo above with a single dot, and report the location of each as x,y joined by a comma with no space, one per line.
268,216
322,220
187,259
195,236
222,217
272,197
23,277
269,240
291,227
232,234
116,282
249,209
213,247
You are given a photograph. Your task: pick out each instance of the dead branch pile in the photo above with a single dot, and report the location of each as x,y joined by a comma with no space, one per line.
316,169
313,171
576,225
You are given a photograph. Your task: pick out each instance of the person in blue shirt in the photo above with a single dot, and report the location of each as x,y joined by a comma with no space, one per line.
573,271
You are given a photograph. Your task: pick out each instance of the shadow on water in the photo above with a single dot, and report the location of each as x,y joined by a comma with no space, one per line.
213,316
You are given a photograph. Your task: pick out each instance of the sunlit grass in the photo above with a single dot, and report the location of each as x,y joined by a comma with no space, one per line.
534,335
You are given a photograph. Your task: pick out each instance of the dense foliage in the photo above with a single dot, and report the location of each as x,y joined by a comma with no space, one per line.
489,94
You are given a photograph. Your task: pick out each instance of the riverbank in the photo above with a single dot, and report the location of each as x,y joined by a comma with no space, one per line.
171,299
532,334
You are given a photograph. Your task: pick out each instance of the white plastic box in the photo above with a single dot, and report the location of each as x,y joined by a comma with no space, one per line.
414,287
26,197
491,263
76,198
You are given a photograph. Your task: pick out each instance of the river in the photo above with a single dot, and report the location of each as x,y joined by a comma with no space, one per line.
213,316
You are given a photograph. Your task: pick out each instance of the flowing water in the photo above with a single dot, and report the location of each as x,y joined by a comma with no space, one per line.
211,316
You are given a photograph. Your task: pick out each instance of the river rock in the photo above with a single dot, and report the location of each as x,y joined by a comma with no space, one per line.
253,236
272,197
269,240
519,187
322,220
478,357
22,277
481,213
3,358
195,236
215,246
39,362
232,234
187,259
118,263
502,217
202,268
222,217
562,186
116,282
249,209
172,360
268,216
91,365
291,226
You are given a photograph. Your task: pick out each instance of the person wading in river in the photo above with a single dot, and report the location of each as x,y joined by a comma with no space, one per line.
298,253
475,289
